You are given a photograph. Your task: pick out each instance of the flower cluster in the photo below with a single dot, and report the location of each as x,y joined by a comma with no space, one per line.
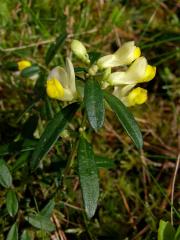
124,81
61,82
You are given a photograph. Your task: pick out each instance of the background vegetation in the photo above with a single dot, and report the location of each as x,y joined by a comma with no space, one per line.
136,192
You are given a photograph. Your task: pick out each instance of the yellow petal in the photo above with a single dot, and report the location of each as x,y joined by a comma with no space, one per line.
137,52
23,64
137,96
54,89
150,73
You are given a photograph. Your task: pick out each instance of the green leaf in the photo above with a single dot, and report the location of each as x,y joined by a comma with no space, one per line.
47,210
30,71
54,47
25,235
21,161
93,98
12,66
104,162
4,149
165,231
80,69
30,126
13,233
41,222
11,203
94,56
126,118
39,88
51,133
5,175
88,177
177,235
19,146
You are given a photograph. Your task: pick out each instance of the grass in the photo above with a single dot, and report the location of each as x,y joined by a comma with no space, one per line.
136,193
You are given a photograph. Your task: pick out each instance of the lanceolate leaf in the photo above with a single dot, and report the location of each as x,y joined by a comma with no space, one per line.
11,203
13,233
25,235
93,98
126,118
51,133
88,177
5,175
41,222
165,231
19,146
29,127
54,47
104,162
177,235
47,210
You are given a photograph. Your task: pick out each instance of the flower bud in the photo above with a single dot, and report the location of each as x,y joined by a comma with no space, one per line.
93,70
80,51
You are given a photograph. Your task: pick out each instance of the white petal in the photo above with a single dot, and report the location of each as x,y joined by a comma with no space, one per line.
118,78
68,95
60,74
70,75
126,53
125,89
137,70
125,49
117,93
108,61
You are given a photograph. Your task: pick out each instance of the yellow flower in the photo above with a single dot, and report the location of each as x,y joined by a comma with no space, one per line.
23,64
123,56
80,51
138,72
61,83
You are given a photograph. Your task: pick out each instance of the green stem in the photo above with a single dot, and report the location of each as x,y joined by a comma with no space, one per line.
74,150
71,158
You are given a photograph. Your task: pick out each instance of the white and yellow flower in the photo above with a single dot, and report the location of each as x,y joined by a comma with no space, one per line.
61,83
138,72
125,55
80,51
130,97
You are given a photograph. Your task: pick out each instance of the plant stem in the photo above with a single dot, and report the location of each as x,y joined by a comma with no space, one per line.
71,158
74,149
